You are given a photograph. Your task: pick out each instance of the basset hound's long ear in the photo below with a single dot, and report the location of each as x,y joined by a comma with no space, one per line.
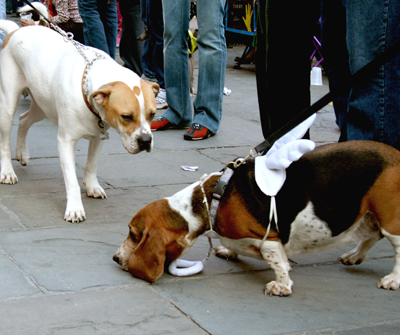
147,261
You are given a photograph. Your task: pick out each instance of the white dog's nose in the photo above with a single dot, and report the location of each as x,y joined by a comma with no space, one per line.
144,141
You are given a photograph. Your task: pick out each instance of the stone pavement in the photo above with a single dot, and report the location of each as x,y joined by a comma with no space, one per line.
59,278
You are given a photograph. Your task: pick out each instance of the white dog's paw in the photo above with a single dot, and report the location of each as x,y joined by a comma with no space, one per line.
95,192
74,215
275,288
223,252
9,178
351,258
389,282
22,156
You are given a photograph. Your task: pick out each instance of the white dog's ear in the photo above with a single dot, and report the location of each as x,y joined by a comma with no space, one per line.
99,98
101,95
156,88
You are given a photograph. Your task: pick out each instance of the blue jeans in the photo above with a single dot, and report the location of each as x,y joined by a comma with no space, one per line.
371,109
212,62
152,56
100,24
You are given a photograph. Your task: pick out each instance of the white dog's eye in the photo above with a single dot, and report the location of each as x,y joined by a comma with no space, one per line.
127,118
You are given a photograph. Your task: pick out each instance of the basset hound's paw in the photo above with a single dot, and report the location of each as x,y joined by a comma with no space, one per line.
275,288
223,252
351,258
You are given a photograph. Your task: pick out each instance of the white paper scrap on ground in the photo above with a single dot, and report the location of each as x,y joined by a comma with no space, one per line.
189,168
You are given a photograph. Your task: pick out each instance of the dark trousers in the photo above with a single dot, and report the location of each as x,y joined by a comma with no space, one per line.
130,49
284,45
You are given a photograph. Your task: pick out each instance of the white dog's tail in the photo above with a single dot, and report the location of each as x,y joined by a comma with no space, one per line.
42,9
8,26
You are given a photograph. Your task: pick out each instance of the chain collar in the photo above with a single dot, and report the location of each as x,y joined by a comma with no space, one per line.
85,93
69,37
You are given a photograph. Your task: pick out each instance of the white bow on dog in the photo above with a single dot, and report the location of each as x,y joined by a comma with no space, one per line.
270,169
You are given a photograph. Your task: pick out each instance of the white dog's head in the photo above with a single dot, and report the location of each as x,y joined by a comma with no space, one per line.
129,111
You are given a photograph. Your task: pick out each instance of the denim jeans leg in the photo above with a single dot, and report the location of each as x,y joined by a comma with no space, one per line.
147,60
212,63
373,112
156,28
93,27
176,60
109,16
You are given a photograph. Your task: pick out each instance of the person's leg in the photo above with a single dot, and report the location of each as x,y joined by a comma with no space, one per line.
109,17
147,59
132,26
336,57
156,30
212,63
93,29
373,114
283,51
9,6
176,61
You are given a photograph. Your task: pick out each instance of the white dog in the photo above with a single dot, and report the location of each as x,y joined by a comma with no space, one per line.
83,92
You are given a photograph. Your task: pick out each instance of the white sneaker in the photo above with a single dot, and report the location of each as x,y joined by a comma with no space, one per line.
152,79
161,103
162,93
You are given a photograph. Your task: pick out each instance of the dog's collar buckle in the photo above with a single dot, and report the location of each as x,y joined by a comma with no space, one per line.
103,131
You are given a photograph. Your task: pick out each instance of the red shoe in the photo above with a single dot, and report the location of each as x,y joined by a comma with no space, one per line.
161,123
197,132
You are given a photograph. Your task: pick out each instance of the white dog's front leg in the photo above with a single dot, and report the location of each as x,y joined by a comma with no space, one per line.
8,175
92,186
274,253
74,211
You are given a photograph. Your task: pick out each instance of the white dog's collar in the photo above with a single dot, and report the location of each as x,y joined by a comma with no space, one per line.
85,92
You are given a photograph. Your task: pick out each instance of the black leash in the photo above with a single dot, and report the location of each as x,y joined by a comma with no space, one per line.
45,18
362,74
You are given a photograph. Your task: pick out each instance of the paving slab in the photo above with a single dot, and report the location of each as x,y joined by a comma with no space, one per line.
127,310
323,297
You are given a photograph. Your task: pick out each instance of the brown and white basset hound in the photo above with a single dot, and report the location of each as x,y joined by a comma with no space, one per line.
335,194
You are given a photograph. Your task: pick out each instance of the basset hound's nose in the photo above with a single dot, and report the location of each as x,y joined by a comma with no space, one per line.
116,259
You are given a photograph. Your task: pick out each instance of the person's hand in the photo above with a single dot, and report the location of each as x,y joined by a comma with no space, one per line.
27,22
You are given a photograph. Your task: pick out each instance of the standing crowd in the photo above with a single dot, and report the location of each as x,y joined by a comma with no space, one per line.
154,44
